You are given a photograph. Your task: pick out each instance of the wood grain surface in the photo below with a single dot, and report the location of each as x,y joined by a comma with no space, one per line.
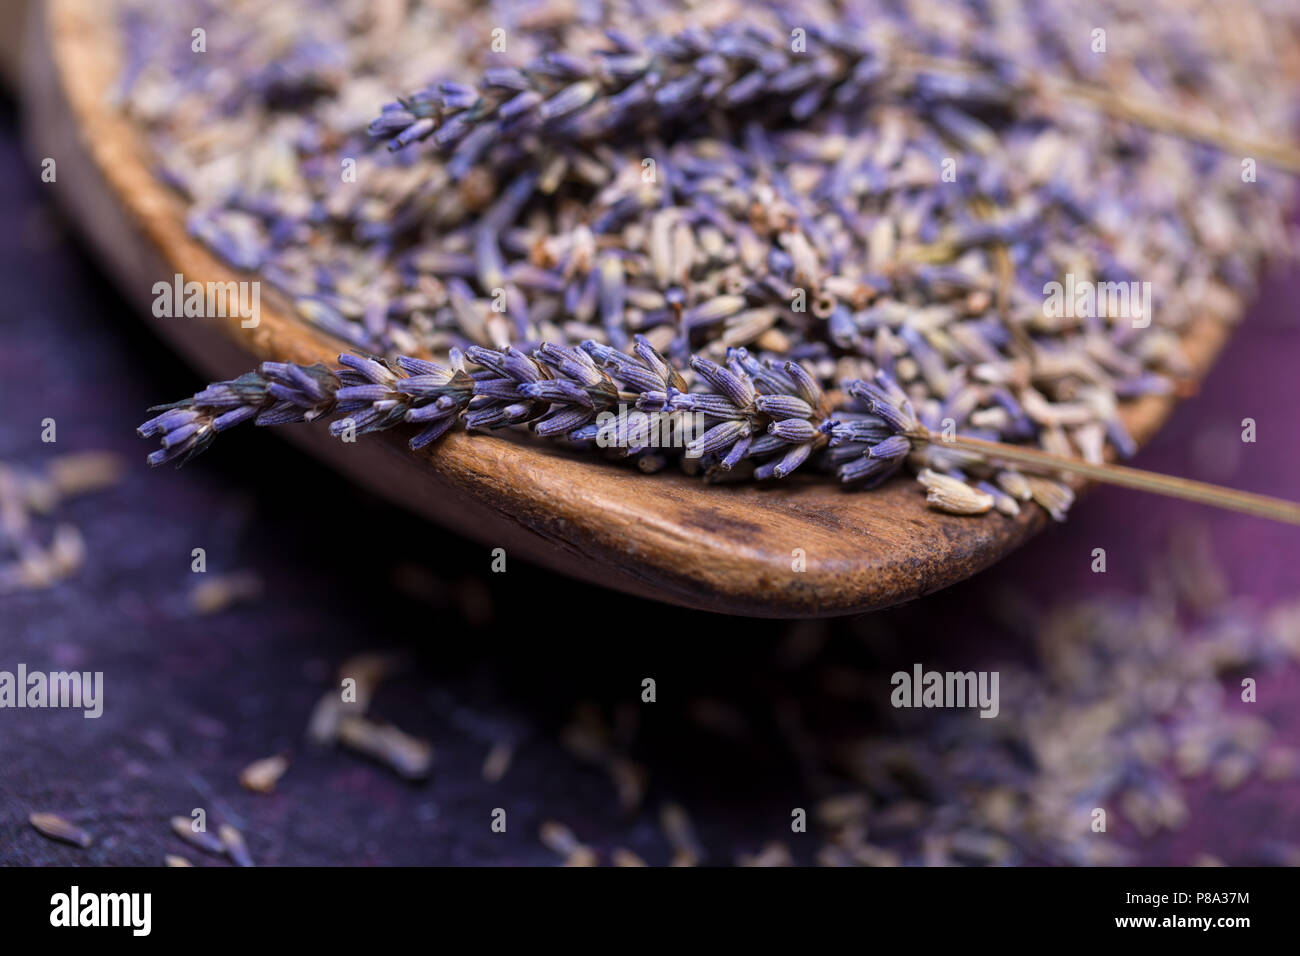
665,536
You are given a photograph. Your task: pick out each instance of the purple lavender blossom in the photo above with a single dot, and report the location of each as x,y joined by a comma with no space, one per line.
563,96
870,441
772,414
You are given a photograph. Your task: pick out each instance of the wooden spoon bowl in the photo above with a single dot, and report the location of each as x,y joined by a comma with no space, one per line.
729,548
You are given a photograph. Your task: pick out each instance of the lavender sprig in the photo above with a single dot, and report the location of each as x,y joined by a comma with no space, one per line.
568,96
772,414
278,394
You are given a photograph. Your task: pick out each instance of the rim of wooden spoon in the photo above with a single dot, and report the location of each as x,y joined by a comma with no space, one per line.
666,536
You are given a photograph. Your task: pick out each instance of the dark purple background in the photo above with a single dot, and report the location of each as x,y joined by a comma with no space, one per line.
190,700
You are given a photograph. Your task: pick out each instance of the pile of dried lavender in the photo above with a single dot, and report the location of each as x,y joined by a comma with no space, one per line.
1121,703
857,187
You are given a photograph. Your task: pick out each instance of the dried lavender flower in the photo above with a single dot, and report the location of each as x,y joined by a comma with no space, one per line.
771,412
575,97
952,495
57,828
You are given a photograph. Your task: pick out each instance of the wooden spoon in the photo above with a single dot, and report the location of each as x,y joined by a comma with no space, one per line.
728,548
